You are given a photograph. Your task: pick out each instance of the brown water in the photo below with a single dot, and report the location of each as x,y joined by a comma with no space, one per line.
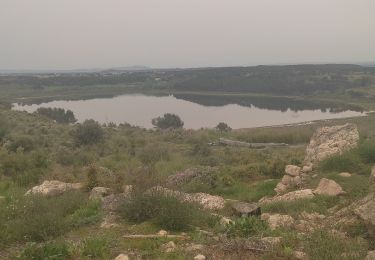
140,109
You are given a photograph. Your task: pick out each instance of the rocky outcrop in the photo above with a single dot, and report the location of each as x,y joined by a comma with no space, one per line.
290,196
329,188
244,209
199,257
278,220
54,188
365,210
291,179
328,141
169,247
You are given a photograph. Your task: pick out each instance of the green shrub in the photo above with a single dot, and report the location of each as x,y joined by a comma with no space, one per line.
96,248
324,245
153,153
348,161
89,132
51,250
24,142
246,227
166,211
92,177
367,151
223,127
168,121
57,114
36,218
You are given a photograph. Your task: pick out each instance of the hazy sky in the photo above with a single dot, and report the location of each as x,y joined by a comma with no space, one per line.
64,34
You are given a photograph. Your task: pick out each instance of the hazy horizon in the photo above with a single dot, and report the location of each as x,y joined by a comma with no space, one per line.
89,34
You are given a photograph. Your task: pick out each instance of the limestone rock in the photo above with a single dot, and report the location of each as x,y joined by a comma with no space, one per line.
199,257
287,180
169,247
271,242
370,255
345,174
99,193
244,209
290,196
277,221
293,170
307,168
328,187
122,257
162,233
300,255
207,201
280,188
365,210
54,188
328,141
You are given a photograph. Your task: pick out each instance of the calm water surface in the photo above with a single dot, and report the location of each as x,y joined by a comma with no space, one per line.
140,109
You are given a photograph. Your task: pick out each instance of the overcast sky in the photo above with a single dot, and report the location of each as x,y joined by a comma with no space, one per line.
68,34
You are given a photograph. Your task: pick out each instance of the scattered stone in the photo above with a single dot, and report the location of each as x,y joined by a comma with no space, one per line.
224,221
345,174
277,221
307,168
98,193
244,209
314,176
169,247
293,170
265,216
162,233
122,257
370,255
300,255
328,141
194,247
280,188
271,242
287,180
328,187
290,196
199,257
365,210
54,188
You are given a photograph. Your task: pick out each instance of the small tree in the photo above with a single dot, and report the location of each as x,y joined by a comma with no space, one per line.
57,114
90,132
168,121
223,127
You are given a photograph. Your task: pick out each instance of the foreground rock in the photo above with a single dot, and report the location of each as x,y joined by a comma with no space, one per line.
328,141
290,196
244,209
199,257
365,210
370,255
122,257
291,179
329,188
278,220
54,188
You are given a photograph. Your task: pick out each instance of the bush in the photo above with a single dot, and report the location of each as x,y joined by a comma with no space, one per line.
24,142
36,218
324,245
367,152
168,121
223,127
51,250
246,227
57,114
166,211
3,127
89,132
96,248
348,161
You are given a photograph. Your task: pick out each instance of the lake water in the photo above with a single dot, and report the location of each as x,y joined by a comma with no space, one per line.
198,111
